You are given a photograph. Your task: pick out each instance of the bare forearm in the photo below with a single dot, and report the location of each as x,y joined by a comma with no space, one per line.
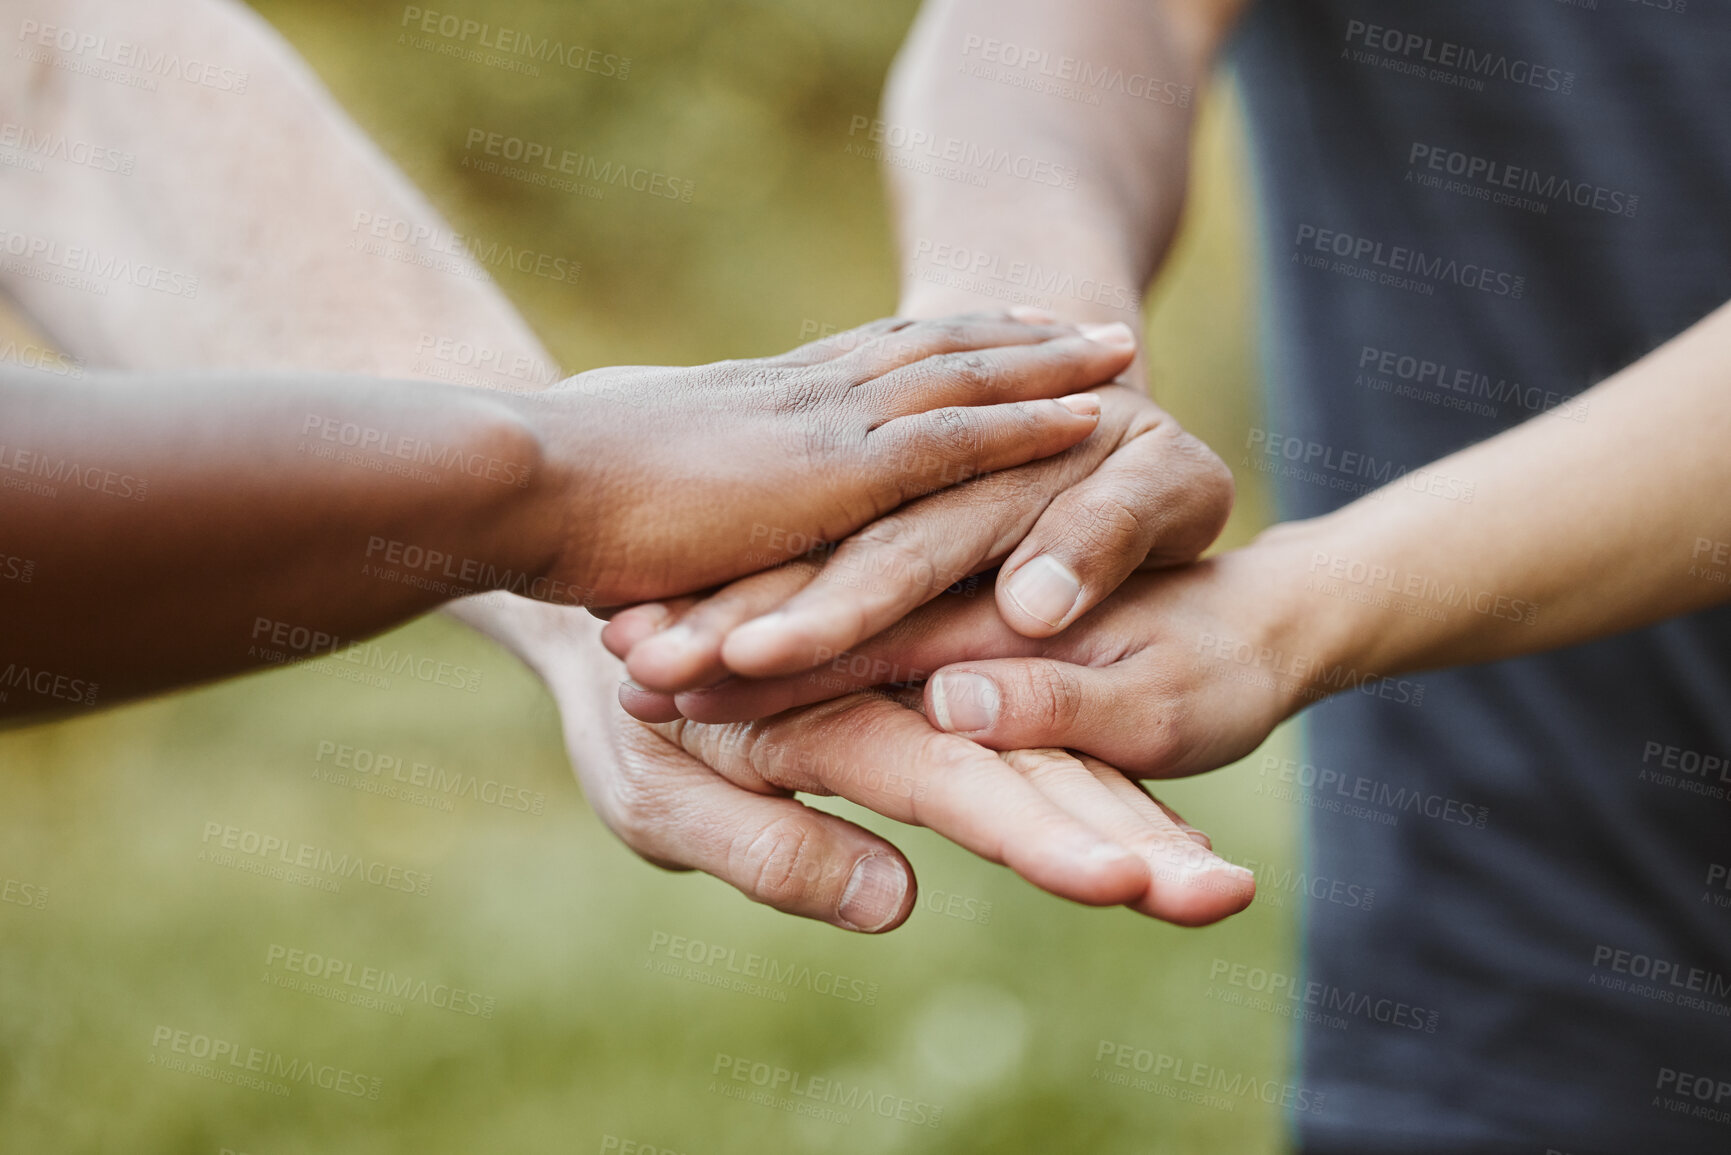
262,203
1609,514
178,528
272,225
1092,102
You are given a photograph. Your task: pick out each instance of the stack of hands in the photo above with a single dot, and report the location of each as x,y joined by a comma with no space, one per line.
804,672
792,552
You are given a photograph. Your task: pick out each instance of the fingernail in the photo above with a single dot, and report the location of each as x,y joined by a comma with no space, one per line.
1117,335
1082,404
1045,589
874,893
964,703
1200,838
1030,315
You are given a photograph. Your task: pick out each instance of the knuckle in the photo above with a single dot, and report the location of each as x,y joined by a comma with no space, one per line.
1113,522
973,369
940,334
1044,764
886,559
956,430
1049,703
779,864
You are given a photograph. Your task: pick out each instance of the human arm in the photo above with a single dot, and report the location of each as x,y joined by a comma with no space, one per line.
1089,197
1576,530
173,520
267,219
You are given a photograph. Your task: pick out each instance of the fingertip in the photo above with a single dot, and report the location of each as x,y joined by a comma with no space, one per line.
879,895
647,705
1086,405
1106,874
1039,597
770,647
1116,336
672,660
629,627
1198,890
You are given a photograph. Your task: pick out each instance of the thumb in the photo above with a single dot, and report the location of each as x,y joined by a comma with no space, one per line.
1024,703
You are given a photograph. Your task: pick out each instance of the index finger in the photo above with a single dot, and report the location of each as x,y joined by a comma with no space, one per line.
907,558
872,751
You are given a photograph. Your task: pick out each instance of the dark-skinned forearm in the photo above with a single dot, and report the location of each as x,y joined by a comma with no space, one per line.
177,529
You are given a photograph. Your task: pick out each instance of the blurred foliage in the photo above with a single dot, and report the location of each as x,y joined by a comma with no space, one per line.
996,1021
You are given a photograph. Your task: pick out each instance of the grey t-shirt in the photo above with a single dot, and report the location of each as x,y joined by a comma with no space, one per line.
1472,211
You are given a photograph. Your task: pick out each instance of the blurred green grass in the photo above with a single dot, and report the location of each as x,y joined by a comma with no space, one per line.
998,1021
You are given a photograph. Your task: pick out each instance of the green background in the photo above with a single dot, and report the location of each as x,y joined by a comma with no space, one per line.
998,1020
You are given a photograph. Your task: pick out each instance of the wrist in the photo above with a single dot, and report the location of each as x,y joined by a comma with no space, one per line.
533,534
1312,621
